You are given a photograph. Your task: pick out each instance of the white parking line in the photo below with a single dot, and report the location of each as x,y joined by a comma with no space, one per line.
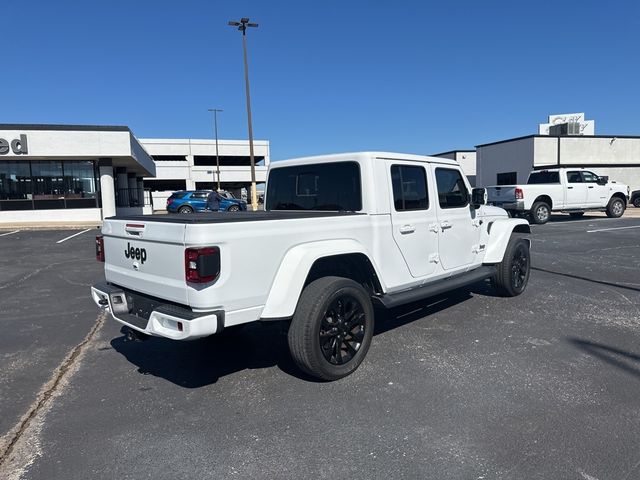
74,235
614,228
9,233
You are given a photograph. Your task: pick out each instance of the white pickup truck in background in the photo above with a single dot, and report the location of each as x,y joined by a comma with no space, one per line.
569,190
339,233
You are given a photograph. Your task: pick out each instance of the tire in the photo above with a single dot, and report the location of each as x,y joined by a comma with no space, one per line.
513,272
615,208
233,208
185,209
576,214
636,202
540,213
319,348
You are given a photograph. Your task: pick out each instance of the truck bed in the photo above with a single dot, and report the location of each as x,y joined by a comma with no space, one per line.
231,217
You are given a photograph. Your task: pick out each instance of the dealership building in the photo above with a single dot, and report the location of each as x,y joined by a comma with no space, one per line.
567,140
192,164
71,173
82,173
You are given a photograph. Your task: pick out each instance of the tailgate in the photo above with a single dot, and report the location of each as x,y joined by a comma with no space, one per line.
501,194
147,257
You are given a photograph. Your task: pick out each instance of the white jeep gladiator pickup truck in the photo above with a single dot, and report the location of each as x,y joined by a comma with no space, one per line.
569,190
339,234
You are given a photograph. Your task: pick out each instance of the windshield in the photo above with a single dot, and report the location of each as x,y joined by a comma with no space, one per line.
328,187
543,177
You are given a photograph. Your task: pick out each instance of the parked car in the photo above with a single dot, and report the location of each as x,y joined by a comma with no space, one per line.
340,233
635,198
189,201
568,190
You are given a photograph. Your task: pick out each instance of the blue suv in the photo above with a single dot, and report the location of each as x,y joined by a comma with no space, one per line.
189,201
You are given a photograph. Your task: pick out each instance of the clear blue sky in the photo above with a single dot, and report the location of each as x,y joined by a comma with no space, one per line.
327,76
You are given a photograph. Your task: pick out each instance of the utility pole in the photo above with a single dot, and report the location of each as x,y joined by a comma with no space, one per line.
242,26
215,129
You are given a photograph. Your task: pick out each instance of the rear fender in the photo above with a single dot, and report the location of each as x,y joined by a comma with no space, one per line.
294,268
500,234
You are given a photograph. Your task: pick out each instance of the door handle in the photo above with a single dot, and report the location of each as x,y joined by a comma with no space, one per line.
444,225
407,229
569,188
590,186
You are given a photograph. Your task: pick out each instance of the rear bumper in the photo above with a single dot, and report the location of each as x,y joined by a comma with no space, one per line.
517,205
151,316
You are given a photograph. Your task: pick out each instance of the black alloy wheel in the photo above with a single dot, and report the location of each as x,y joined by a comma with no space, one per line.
342,330
512,274
332,327
519,266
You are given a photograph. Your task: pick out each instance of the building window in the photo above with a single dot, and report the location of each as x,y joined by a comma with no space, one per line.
409,188
169,158
36,185
508,178
165,185
226,161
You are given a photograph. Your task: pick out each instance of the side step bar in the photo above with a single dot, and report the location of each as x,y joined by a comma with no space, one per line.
393,300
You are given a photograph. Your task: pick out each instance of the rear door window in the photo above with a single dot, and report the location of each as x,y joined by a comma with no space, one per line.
452,191
409,188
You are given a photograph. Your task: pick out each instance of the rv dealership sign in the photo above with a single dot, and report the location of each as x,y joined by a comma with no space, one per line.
18,146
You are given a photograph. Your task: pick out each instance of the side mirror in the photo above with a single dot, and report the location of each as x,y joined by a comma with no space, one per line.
478,197
603,180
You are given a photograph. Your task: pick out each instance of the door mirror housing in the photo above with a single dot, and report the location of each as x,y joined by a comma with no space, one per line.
478,197
603,180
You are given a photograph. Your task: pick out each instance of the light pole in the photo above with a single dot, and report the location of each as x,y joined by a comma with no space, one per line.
242,26
215,129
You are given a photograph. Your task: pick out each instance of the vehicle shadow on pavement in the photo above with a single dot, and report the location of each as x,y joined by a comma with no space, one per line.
259,345
621,359
197,363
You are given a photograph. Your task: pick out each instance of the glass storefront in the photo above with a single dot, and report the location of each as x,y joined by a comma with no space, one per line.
48,184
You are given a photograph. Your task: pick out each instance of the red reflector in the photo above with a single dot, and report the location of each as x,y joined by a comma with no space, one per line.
201,265
519,194
100,248
179,326
134,225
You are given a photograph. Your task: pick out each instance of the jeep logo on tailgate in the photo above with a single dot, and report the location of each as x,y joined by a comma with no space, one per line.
135,253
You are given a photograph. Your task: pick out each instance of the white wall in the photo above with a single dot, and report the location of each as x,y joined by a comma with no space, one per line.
51,216
513,156
189,148
594,153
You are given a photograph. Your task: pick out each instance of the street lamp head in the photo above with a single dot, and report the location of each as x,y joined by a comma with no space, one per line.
242,24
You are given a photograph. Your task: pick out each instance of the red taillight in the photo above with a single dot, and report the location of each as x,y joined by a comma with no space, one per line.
519,194
169,201
100,248
201,265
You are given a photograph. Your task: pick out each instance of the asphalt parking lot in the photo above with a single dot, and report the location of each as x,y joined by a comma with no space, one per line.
467,385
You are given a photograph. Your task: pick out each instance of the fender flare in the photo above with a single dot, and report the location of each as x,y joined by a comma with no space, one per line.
499,237
294,269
